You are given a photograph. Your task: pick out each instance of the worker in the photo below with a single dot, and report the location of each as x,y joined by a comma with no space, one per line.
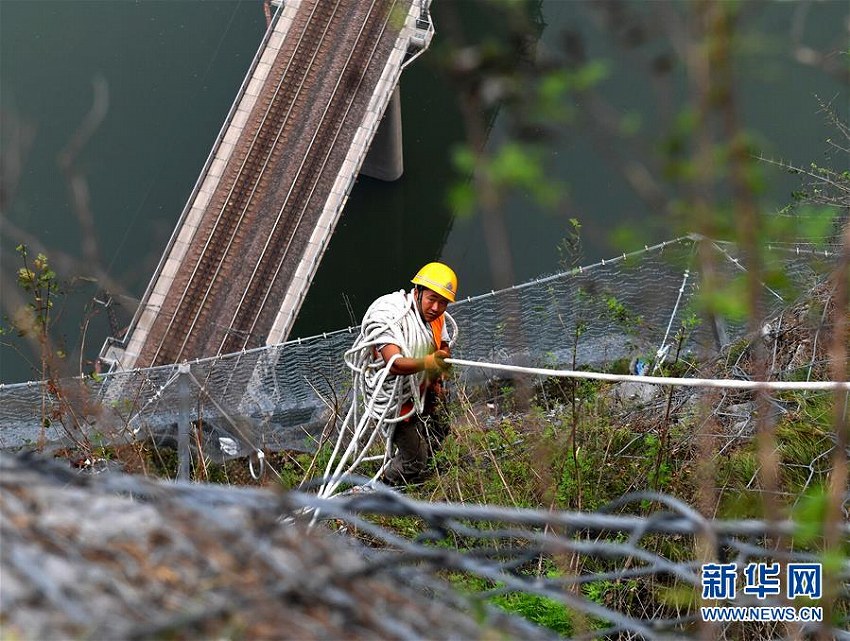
408,334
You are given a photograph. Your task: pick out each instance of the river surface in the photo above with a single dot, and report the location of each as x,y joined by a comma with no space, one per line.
172,69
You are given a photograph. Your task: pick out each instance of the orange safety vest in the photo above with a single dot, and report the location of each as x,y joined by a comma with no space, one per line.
437,330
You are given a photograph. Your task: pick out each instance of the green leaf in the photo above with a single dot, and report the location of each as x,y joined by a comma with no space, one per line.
515,165
729,301
463,159
461,197
553,86
26,277
809,514
816,223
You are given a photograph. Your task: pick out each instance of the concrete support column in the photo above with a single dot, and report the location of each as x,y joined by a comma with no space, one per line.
184,423
385,159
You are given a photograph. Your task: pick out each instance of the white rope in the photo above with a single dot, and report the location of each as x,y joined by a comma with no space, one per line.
660,380
661,353
379,396
390,319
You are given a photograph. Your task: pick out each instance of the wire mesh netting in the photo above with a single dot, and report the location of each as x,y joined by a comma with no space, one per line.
620,559
209,559
631,569
283,396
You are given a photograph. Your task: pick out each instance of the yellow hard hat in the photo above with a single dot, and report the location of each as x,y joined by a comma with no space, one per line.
438,278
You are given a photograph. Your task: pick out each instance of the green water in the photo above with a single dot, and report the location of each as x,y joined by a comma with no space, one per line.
172,70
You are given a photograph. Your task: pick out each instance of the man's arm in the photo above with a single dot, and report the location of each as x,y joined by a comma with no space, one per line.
404,365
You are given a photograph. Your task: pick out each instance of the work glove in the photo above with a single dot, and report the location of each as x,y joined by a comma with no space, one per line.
437,361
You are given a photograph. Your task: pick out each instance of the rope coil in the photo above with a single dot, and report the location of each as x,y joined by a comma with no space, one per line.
378,395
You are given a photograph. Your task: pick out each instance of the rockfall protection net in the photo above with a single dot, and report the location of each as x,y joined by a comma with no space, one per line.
614,570
283,396
613,567
204,559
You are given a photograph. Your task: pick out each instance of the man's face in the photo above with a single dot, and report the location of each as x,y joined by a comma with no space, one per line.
431,305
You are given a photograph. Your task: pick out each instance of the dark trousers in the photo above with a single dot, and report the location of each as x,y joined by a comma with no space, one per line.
415,441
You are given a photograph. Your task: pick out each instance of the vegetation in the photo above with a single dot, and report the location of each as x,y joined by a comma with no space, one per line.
576,446
527,460
745,455
572,445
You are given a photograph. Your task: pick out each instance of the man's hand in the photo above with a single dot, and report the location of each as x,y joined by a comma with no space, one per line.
436,362
440,357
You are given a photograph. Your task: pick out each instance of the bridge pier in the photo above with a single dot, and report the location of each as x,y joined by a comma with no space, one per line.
385,159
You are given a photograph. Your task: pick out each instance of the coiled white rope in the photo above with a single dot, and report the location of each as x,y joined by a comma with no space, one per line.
378,396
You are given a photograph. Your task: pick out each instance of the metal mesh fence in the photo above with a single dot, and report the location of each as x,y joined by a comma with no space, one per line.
630,570
613,569
282,396
200,557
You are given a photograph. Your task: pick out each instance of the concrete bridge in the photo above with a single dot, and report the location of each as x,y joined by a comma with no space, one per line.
321,91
